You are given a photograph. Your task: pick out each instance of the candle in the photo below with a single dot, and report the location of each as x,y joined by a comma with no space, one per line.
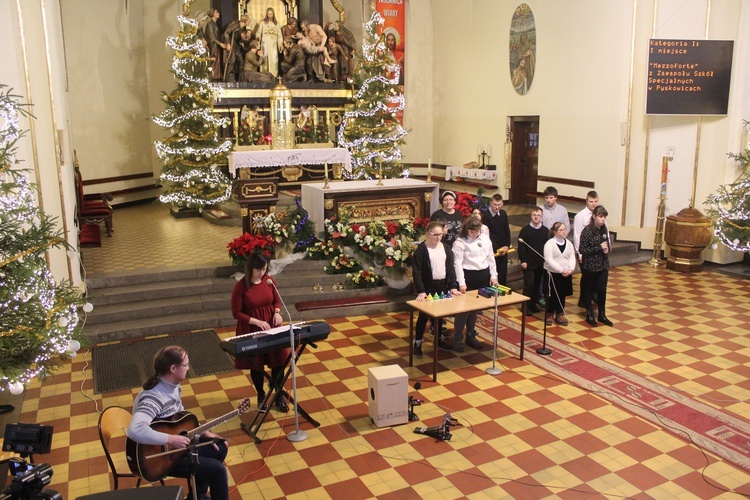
489,150
479,149
326,167
429,166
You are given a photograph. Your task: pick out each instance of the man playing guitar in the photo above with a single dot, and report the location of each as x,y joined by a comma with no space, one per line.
161,399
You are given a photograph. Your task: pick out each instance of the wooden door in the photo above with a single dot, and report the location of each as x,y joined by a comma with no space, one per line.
524,134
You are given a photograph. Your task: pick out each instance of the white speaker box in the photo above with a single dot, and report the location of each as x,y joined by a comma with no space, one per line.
388,389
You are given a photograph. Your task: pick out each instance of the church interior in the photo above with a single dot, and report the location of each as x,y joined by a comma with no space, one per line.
650,407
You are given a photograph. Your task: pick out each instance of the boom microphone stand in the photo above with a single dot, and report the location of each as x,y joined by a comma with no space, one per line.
544,350
297,434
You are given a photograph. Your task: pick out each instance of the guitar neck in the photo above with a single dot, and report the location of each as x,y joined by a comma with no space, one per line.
201,429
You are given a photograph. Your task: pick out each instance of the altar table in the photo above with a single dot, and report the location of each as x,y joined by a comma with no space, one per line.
402,198
287,157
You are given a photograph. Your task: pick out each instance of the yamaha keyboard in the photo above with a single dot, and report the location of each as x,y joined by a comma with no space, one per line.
253,344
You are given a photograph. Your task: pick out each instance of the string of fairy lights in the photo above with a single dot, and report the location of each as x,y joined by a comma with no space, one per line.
193,151
384,139
38,317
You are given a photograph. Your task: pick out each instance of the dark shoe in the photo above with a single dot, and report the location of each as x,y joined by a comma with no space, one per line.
281,404
529,311
548,321
458,347
443,346
582,303
532,307
605,320
590,317
560,320
473,342
262,407
418,350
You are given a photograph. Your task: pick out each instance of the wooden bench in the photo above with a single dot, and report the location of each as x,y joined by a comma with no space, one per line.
365,300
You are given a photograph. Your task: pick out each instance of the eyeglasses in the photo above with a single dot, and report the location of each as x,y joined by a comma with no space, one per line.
186,365
437,235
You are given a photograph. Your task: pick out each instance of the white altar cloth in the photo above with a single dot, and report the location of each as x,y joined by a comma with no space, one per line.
470,173
285,157
313,193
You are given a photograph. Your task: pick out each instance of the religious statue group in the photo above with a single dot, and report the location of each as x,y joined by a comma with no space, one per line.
246,51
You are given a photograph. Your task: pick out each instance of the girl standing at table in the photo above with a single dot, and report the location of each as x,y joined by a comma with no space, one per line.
433,272
256,306
475,268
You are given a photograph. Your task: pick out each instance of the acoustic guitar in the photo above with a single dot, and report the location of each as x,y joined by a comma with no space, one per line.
141,459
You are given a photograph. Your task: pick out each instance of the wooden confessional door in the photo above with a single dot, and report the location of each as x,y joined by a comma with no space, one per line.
524,133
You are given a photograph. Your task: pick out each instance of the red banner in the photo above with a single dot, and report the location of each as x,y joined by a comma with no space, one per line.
393,12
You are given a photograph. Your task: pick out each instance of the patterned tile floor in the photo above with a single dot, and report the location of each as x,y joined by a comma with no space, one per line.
524,433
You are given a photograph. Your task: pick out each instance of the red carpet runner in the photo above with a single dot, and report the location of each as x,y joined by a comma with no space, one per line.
708,427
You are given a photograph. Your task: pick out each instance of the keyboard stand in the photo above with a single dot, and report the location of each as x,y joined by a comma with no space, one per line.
260,416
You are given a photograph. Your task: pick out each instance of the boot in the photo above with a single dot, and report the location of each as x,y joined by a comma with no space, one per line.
457,345
603,318
590,316
602,301
418,349
281,404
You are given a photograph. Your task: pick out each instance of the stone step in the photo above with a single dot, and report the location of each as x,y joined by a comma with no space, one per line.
172,306
157,290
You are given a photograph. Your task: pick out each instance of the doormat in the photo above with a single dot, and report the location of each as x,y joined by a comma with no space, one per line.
125,365
710,428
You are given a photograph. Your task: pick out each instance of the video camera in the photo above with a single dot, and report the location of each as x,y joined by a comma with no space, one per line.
28,481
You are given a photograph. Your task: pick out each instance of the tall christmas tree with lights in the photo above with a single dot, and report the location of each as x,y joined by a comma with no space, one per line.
194,150
371,131
39,324
729,207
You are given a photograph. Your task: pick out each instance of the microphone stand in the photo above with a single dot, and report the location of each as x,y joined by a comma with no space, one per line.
493,370
297,434
544,350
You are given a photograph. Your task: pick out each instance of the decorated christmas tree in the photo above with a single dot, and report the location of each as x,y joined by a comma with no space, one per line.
371,131
39,323
194,150
729,207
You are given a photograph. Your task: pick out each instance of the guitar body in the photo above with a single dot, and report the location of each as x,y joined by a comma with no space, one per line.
154,469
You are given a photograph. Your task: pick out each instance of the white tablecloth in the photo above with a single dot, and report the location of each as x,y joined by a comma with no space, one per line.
470,173
284,157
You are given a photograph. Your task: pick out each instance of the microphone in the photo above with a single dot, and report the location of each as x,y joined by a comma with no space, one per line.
532,248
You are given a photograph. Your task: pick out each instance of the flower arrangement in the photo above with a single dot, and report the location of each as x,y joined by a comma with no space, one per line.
339,229
398,253
243,246
341,264
465,203
420,226
363,279
323,250
273,226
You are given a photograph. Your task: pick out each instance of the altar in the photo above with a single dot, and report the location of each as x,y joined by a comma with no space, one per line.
402,198
289,158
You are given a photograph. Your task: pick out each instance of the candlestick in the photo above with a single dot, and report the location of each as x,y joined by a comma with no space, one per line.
380,181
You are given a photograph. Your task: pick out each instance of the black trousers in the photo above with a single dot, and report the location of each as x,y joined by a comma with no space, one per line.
595,283
532,279
437,286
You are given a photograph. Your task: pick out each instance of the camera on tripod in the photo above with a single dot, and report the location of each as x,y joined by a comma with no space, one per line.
28,480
